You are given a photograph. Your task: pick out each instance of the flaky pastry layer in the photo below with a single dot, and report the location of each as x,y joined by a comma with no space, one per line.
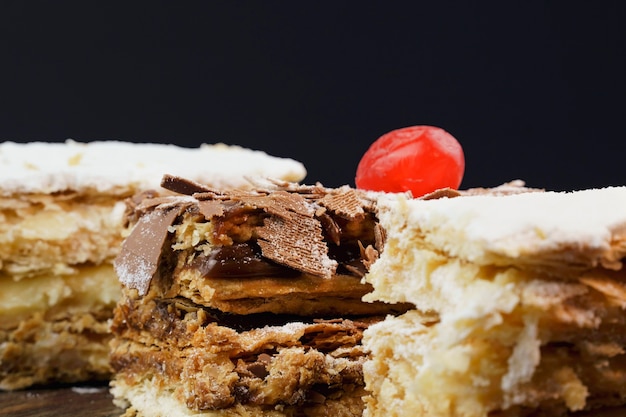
55,328
304,294
66,350
50,233
499,328
205,360
411,371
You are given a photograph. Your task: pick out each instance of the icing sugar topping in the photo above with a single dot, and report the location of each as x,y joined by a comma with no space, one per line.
586,221
116,166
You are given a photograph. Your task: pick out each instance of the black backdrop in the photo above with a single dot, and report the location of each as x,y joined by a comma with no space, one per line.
532,89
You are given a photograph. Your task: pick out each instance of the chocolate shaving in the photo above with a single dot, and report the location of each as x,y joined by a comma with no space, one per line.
139,198
441,193
316,191
356,271
211,208
138,260
346,204
182,185
296,241
290,236
258,369
380,237
369,255
149,203
279,203
331,228
134,204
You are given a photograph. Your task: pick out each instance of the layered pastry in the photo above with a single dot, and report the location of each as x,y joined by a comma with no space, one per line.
245,302
61,222
519,301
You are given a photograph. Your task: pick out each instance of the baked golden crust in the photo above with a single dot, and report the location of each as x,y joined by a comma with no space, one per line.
307,294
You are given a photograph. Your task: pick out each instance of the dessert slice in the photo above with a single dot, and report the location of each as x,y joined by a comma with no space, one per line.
520,305
245,302
61,223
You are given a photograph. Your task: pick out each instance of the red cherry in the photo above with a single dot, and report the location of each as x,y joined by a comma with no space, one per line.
420,159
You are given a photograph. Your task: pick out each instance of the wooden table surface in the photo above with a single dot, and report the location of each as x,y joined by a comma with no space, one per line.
96,401
89,401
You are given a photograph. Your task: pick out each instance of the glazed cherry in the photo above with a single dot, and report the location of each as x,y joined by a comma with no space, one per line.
419,159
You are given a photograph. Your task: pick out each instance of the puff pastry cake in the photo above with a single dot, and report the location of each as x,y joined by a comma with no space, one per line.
245,302
61,223
519,301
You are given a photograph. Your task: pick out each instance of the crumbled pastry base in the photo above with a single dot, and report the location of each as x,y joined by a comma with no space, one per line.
148,400
188,358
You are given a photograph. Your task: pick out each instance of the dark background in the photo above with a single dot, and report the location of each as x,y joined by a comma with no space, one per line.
532,89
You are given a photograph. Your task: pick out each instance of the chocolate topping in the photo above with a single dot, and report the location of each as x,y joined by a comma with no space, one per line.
240,260
284,228
279,203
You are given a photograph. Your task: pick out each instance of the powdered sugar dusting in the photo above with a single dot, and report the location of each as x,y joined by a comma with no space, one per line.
116,167
473,227
136,274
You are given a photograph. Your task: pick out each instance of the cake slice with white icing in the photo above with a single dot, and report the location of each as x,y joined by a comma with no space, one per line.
520,305
61,224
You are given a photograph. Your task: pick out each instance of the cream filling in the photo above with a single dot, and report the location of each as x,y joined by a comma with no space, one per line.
44,233
89,288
